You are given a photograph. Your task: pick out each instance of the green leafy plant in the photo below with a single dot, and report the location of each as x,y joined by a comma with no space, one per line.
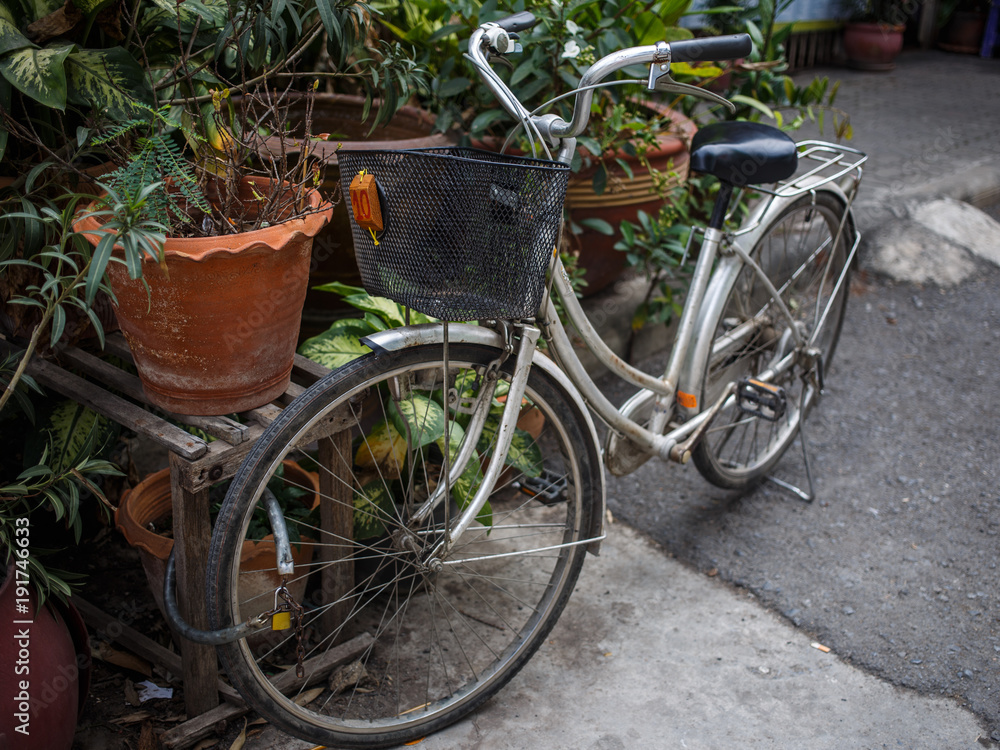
382,453
61,472
64,273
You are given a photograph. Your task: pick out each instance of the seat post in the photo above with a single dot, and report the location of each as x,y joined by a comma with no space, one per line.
721,205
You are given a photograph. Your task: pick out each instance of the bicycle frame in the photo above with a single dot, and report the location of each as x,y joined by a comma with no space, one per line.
705,296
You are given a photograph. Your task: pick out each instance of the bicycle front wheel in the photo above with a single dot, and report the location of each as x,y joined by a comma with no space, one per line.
434,635
809,270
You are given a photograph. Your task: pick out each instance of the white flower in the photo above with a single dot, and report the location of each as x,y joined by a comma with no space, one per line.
572,28
571,50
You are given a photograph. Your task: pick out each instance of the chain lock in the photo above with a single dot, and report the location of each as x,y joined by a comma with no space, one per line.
282,616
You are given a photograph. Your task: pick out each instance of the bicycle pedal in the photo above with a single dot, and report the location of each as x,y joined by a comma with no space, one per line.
764,400
547,488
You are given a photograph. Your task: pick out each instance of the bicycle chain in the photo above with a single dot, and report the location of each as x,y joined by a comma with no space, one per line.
297,611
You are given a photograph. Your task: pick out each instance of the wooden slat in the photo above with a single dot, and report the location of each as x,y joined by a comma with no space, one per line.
116,408
223,428
222,461
306,371
116,630
186,734
107,373
337,528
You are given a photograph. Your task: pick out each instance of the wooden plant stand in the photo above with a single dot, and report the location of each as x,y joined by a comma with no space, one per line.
195,465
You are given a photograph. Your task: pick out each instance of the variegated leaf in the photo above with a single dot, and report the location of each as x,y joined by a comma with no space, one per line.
212,14
91,7
383,449
420,415
373,505
465,487
339,344
10,36
110,81
39,73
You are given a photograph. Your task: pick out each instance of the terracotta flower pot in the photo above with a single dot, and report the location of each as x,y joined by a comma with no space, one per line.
149,502
45,655
623,198
873,46
217,334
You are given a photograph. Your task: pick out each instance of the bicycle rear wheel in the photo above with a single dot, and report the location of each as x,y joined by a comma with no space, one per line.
797,253
436,640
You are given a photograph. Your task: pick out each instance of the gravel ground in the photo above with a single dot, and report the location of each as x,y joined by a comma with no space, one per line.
894,566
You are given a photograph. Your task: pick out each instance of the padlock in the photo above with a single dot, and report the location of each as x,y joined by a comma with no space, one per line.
281,621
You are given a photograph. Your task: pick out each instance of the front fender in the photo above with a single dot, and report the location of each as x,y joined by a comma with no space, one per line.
463,333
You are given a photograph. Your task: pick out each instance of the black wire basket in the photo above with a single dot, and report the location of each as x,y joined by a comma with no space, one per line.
465,234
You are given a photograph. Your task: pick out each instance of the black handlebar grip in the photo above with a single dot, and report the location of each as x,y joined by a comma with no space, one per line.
711,48
517,22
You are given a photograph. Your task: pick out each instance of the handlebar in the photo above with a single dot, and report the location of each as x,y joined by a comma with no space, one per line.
711,48
495,38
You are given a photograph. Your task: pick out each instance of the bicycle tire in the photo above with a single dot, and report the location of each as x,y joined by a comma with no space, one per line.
444,642
739,449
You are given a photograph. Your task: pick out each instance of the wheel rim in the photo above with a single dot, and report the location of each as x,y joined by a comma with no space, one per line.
445,638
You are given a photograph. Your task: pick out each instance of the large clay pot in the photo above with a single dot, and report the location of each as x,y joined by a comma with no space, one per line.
217,333
333,251
45,670
149,503
963,32
873,46
623,198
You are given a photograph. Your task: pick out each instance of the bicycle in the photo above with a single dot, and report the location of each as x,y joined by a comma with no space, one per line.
451,539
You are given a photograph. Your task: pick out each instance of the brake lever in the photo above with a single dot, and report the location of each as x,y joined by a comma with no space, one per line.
495,57
660,80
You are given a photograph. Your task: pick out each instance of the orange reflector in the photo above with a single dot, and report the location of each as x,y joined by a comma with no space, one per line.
687,400
365,204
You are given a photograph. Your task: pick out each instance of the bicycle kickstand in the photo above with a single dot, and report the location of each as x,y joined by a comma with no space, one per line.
797,491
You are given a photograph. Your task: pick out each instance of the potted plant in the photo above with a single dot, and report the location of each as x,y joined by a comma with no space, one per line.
208,270
157,99
961,24
873,37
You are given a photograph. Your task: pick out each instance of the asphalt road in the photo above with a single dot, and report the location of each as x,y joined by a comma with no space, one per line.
894,566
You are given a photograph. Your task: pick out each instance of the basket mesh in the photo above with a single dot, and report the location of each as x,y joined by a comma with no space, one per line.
468,234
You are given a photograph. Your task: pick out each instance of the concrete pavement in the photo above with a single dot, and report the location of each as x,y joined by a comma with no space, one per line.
649,654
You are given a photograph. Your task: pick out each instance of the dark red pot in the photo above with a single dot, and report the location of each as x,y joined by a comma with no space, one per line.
45,670
873,46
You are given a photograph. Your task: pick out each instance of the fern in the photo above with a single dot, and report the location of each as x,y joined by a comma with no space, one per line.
156,158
